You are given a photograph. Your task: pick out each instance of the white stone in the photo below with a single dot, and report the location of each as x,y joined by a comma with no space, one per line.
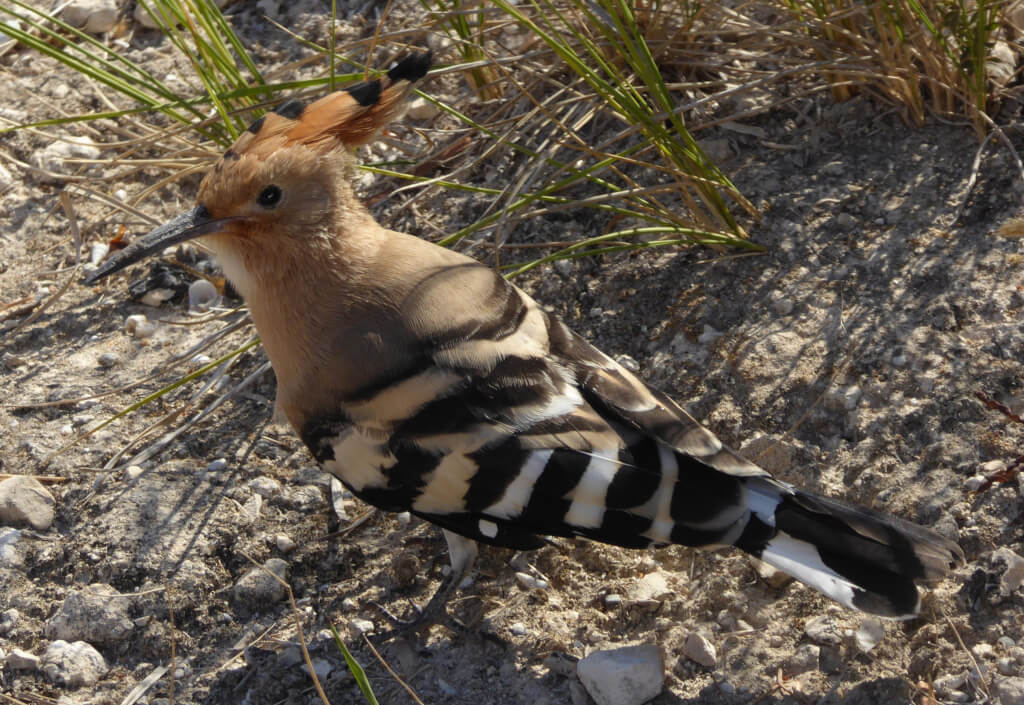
628,676
143,17
823,629
975,483
518,629
23,500
138,326
251,509
96,613
528,582
700,650
1014,575
132,472
362,626
869,633
652,586
73,665
217,465
260,587
10,556
92,16
284,543
21,660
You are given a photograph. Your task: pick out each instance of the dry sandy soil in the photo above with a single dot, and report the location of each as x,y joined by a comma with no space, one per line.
847,359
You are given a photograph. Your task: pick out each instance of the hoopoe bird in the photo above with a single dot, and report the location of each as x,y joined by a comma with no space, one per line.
428,384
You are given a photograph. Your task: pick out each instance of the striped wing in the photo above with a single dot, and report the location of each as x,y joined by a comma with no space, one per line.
509,426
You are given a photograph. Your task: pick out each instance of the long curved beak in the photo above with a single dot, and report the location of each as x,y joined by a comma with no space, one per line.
187,226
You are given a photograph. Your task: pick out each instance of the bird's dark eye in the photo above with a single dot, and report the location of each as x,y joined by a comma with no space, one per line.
269,197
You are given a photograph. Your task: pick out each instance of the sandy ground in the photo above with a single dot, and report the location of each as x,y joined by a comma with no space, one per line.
847,359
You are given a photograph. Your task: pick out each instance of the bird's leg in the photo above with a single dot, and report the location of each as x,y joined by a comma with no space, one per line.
462,552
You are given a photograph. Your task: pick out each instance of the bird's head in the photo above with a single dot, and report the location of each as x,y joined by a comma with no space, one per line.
285,183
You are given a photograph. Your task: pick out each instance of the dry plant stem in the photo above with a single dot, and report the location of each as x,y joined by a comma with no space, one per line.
144,685
43,479
409,690
162,442
297,618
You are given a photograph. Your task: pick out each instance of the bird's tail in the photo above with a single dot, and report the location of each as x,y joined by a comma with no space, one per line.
860,558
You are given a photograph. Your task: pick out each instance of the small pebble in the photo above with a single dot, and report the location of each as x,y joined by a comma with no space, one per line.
349,605
266,487
362,626
823,629
21,660
201,361
974,483
217,465
403,519
528,582
518,629
697,648
138,326
612,600
108,359
629,675
92,16
9,620
73,664
899,360
133,471
869,634
24,500
782,306
1007,666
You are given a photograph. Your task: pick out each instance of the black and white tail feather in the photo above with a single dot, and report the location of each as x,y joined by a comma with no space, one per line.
521,429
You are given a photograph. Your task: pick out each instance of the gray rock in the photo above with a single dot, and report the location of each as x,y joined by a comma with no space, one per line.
23,500
10,556
806,658
9,620
1009,691
869,633
97,614
202,294
823,629
700,650
266,487
73,665
108,359
259,587
92,16
652,586
627,676
21,660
